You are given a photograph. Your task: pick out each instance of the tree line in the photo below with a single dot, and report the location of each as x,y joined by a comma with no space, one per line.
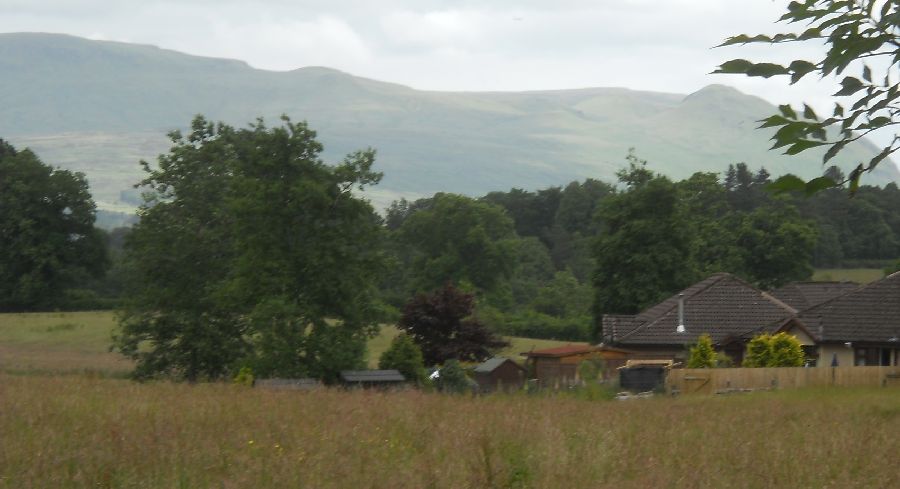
251,252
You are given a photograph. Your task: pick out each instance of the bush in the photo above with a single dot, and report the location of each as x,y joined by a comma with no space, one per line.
780,350
452,379
406,357
703,355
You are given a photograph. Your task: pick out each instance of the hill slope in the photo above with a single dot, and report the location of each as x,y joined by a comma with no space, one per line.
99,107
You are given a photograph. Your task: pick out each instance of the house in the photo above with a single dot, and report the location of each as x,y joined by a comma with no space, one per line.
372,378
860,327
559,365
836,322
499,373
722,306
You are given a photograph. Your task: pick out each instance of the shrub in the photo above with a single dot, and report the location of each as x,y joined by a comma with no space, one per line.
244,376
453,379
587,371
780,350
702,354
404,356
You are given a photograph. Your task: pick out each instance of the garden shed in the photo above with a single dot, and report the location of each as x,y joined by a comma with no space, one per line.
499,374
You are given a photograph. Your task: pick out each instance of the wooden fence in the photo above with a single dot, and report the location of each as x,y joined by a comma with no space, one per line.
720,380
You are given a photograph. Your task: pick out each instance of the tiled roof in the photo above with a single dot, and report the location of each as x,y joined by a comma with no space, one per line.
560,351
803,295
869,313
491,364
722,306
372,376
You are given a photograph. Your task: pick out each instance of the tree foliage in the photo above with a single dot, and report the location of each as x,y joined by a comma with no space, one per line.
405,356
49,243
444,327
858,34
251,251
703,355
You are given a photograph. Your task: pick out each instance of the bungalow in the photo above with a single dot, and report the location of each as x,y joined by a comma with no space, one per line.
836,322
722,306
860,327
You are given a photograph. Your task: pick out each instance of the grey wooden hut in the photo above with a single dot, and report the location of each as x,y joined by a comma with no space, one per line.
382,379
499,373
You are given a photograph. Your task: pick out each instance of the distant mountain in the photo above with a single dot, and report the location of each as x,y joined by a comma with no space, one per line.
99,107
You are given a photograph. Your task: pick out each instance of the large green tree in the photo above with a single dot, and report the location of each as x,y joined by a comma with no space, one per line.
859,35
460,240
49,242
251,251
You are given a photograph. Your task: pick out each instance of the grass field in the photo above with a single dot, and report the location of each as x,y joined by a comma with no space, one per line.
74,431
78,342
859,275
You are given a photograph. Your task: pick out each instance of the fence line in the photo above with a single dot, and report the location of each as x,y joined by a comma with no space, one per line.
709,381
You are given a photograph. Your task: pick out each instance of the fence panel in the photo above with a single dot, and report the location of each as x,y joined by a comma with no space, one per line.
709,381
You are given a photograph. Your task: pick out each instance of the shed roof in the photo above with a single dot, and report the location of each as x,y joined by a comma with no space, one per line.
722,306
491,364
869,313
372,376
803,295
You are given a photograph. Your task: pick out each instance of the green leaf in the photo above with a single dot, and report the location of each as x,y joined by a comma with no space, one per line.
838,110
818,184
799,68
802,145
787,183
867,73
766,70
773,121
787,111
833,151
740,66
850,85
808,113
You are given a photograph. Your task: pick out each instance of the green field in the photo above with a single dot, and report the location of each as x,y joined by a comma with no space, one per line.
75,342
859,275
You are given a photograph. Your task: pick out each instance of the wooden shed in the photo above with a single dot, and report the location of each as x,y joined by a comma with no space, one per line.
381,379
559,366
499,374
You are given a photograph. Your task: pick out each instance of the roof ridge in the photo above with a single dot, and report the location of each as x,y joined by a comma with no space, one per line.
719,276
779,302
860,288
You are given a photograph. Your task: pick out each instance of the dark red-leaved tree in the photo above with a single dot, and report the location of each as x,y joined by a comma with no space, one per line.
443,326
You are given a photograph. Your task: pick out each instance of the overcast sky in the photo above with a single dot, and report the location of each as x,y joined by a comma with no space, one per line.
661,45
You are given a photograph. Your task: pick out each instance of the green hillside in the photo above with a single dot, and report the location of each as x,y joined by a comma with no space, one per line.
99,107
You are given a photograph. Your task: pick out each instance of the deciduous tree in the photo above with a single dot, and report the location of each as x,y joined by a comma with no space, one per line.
48,242
251,251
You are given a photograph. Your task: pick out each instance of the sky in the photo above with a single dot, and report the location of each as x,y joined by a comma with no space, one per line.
463,45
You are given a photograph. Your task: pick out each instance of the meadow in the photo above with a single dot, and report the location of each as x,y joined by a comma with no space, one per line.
78,342
859,275
68,421
76,431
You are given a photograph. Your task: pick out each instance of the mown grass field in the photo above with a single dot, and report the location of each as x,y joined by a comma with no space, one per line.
859,275
78,342
79,432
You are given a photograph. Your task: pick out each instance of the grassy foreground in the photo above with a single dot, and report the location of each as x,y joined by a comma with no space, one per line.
75,431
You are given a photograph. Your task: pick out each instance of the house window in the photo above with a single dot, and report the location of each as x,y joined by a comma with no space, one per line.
868,356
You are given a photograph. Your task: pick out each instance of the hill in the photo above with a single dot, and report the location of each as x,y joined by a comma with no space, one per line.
99,107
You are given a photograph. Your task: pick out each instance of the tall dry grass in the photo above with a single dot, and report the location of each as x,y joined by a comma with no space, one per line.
60,432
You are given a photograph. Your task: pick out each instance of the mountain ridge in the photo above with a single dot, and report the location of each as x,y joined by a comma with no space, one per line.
100,106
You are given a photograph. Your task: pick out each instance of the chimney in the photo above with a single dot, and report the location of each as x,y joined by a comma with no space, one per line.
680,328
